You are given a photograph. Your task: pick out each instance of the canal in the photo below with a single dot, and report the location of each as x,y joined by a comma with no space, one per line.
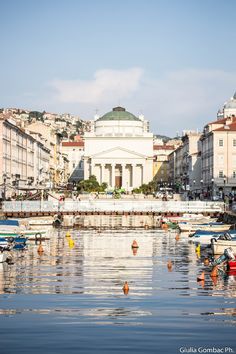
69,298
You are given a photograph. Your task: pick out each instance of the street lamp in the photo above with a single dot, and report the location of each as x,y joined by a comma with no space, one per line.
201,186
224,180
4,186
212,188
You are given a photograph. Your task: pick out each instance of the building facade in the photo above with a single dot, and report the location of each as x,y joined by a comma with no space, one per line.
22,158
119,150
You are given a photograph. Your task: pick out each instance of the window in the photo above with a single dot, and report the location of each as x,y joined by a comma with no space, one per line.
221,174
221,142
234,142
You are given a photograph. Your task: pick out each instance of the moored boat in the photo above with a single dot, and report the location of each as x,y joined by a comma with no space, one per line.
218,245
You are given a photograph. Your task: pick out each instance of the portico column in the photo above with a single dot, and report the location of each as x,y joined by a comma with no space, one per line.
91,168
132,175
102,173
123,176
113,175
142,172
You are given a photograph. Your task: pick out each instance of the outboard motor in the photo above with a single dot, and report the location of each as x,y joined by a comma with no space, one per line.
226,256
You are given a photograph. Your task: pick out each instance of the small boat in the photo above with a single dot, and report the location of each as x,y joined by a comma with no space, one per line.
218,245
209,226
15,228
205,237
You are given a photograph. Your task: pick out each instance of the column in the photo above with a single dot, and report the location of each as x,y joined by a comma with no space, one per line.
132,175
103,173
113,175
141,173
91,168
124,185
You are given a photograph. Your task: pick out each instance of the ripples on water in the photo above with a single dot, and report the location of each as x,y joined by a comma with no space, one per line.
70,298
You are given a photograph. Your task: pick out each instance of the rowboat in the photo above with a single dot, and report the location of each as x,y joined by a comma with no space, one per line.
210,226
204,236
218,246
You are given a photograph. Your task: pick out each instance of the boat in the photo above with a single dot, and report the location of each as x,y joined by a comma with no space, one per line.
218,245
16,228
205,237
209,226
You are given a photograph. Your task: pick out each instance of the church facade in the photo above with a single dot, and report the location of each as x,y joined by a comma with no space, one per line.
119,150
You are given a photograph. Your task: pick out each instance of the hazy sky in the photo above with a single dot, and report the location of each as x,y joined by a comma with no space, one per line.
172,60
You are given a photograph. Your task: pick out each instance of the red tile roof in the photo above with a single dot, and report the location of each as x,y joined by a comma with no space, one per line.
231,127
72,143
163,147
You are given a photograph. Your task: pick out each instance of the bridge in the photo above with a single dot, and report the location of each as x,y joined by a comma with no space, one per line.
110,207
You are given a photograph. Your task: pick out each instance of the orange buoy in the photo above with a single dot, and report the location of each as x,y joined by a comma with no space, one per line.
40,249
126,288
164,226
214,272
201,277
206,262
135,244
169,265
177,237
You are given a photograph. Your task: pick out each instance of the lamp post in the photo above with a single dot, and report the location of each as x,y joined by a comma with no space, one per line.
224,180
212,188
202,187
4,186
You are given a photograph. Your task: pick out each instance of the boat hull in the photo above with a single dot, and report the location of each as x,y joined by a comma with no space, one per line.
218,246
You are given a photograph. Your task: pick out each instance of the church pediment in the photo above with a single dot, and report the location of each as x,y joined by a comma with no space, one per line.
118,152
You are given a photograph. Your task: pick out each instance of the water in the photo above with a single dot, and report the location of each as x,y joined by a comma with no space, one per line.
70,298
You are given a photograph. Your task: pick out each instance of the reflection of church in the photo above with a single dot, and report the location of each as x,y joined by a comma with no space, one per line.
119,150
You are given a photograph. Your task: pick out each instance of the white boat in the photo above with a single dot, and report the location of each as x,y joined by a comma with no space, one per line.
218,246
187,226
15,228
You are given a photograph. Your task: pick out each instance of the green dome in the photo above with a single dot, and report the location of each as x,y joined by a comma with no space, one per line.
118,113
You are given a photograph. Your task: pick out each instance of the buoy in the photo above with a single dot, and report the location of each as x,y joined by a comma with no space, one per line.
68,234
169,265
201,277
135,250
126,286
135,244
177,237
206,262
40,249
164,226
214,272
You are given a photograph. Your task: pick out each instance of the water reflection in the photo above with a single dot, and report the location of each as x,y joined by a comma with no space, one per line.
98,263
80,278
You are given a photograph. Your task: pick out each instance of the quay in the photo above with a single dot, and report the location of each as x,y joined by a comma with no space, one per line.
110,207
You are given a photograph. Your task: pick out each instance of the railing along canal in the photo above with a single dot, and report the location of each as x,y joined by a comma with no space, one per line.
130,206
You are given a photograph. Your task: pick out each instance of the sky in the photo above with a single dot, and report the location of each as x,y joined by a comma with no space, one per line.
171,60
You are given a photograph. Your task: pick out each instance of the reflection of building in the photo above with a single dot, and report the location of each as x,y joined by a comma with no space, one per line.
119,150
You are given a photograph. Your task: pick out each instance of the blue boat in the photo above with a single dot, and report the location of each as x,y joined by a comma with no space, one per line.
204,237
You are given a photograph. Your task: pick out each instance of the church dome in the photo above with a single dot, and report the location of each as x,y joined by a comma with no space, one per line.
119,113
231,103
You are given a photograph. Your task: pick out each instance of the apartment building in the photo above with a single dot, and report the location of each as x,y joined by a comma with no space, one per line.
21,157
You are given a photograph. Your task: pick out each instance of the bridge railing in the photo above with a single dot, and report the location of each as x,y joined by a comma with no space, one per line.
114,206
